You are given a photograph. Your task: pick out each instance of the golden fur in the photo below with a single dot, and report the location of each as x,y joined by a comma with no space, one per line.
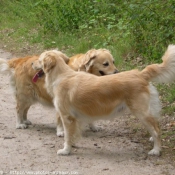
80,97
98,62
28,92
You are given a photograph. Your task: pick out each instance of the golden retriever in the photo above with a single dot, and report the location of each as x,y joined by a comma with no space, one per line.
28,84
99,62
80,97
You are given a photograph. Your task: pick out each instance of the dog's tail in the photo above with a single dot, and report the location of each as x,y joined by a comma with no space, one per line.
164,72
4,67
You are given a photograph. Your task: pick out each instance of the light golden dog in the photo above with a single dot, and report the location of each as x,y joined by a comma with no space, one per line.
98,62
80,97
28,92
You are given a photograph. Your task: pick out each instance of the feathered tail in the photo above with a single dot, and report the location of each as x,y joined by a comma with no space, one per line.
164,72
4,67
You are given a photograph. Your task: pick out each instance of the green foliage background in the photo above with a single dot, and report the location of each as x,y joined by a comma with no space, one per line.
147,26
150,24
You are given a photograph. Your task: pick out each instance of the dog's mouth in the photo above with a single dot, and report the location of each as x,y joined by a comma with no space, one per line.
101,72
39,74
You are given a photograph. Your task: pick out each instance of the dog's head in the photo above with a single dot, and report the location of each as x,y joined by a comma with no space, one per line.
98,62
46,62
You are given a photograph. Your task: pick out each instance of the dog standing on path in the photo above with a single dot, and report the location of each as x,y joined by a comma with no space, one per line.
98,62
81,97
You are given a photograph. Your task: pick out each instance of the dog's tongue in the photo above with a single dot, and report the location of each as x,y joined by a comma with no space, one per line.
37,75
35,78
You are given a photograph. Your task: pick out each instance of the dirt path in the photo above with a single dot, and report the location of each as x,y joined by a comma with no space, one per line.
116,150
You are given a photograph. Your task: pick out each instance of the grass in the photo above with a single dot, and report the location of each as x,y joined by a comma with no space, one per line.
20,25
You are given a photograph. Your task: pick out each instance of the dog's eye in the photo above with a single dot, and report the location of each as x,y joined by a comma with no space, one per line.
106,64
113,62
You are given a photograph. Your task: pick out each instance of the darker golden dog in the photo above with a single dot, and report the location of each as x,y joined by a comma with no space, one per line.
28,92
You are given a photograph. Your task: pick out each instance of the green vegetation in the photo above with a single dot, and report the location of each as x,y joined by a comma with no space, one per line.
129,29
141,27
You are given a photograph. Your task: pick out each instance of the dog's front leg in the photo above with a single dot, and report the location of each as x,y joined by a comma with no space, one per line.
70,130
26,121
60,129
20,116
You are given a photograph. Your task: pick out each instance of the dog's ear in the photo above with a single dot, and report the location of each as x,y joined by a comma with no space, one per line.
49,62
62,55
66,59
87,60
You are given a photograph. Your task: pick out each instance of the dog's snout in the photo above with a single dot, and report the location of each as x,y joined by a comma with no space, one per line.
116,71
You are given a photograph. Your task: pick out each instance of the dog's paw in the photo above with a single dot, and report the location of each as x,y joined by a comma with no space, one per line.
21,126
63,152
27,122
154,152
94,128
60,133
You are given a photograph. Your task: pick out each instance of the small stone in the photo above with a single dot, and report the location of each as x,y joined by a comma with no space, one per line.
105,169
9,137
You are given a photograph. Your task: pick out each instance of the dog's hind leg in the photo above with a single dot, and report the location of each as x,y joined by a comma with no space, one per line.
70,134
153,127
147,110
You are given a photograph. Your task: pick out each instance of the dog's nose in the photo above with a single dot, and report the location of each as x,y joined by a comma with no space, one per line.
116,71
